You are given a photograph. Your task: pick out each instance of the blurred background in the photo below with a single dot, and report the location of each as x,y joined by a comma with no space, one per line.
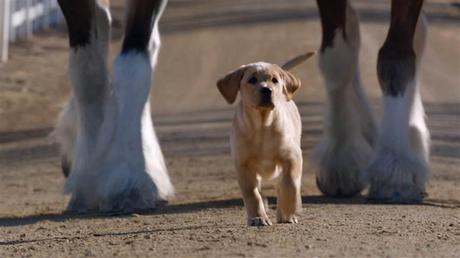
202,40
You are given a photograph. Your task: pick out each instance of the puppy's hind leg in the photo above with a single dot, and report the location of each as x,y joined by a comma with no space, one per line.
289,202
349,133
249,184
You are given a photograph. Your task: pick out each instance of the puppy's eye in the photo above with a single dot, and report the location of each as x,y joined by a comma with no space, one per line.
252,80
274,80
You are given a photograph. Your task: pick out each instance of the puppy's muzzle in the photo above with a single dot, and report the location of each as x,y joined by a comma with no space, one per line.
266,97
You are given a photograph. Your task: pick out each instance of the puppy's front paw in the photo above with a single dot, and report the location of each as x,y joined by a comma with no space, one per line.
286,219
259,221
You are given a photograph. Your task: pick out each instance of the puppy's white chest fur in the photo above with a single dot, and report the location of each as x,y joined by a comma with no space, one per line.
264,147
261,141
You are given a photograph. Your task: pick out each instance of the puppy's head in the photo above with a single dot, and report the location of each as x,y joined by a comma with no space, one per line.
262,85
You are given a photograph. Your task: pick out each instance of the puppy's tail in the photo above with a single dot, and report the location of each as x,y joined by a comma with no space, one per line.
297,60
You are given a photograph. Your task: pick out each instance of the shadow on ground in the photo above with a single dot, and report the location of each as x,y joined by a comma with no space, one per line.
214,204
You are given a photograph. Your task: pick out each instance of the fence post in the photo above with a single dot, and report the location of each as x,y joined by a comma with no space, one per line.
29,19
4,29
13,30
47,12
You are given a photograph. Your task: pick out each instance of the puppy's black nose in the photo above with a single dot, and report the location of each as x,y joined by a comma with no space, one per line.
266,91
266,96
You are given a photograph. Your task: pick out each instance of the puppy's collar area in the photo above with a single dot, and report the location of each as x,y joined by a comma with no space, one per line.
257,117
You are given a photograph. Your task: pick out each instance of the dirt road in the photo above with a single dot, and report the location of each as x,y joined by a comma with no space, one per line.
201,41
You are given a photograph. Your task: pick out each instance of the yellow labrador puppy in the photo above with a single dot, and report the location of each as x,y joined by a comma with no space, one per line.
265,138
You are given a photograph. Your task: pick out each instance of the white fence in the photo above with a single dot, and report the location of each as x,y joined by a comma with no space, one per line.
19,19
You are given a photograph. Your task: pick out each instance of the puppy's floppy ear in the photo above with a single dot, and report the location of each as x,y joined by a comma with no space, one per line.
291,84
230,84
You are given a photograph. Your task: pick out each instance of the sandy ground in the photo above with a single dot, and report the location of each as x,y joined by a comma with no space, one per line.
201,41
